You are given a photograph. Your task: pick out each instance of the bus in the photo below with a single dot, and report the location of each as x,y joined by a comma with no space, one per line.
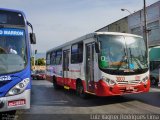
15,67
154,72
100,63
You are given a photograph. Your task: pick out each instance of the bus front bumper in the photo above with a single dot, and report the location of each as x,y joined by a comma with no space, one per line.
104,90
21,101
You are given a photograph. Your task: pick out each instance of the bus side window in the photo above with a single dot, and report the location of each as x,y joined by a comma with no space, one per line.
48,59
58,58
80,49
53,55
77,53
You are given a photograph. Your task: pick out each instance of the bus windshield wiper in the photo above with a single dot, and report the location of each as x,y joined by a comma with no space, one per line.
122,60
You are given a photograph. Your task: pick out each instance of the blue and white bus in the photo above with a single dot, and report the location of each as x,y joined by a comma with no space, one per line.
15,67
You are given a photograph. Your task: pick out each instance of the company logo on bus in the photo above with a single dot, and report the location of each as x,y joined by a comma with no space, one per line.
5,78
137,77
119,79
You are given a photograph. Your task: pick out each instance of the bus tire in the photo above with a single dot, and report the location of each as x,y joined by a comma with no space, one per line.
55,85
154,81
80,90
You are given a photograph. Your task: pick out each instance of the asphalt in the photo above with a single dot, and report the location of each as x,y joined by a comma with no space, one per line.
48,103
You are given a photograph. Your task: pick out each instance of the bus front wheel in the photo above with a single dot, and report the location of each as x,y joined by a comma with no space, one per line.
80,90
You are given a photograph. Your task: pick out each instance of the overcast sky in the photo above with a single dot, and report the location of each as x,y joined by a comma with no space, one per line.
58,21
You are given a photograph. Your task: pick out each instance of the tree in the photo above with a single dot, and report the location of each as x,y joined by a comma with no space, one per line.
40,61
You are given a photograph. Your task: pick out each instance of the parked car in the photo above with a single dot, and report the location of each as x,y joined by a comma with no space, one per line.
154,77
33,74
39,75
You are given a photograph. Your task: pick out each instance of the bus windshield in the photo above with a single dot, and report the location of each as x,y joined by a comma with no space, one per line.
122,54
13,53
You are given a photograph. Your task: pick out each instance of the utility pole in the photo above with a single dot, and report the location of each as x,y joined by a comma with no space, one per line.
34,56
35,52
145,24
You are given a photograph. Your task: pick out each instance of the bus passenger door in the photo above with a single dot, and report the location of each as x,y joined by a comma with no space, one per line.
65,66
90,67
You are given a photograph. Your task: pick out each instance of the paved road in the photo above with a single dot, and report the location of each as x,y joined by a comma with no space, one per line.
46,101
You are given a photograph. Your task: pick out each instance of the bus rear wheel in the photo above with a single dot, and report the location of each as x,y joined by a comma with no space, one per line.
55,85
80,90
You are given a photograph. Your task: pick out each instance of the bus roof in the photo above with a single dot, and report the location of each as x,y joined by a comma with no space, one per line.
91,35
117,33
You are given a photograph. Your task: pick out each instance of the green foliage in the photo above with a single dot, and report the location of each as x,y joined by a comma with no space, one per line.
32,61
40,61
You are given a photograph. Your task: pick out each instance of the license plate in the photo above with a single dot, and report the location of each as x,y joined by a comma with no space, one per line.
16,103
129,88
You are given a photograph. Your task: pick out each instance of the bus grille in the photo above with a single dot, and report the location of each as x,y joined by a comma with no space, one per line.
133,82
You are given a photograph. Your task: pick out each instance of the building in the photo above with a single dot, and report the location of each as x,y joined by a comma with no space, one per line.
118,26
136,23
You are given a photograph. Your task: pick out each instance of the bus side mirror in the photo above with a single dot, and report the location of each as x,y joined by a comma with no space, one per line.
33,38
97,47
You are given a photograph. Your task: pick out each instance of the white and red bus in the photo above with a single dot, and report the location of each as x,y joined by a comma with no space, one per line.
101,63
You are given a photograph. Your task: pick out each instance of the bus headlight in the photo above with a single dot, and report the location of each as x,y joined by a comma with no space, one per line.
19,88
109,81
144,80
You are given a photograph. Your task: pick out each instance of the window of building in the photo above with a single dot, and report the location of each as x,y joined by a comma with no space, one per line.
137,31
77,53
154,31
119,28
